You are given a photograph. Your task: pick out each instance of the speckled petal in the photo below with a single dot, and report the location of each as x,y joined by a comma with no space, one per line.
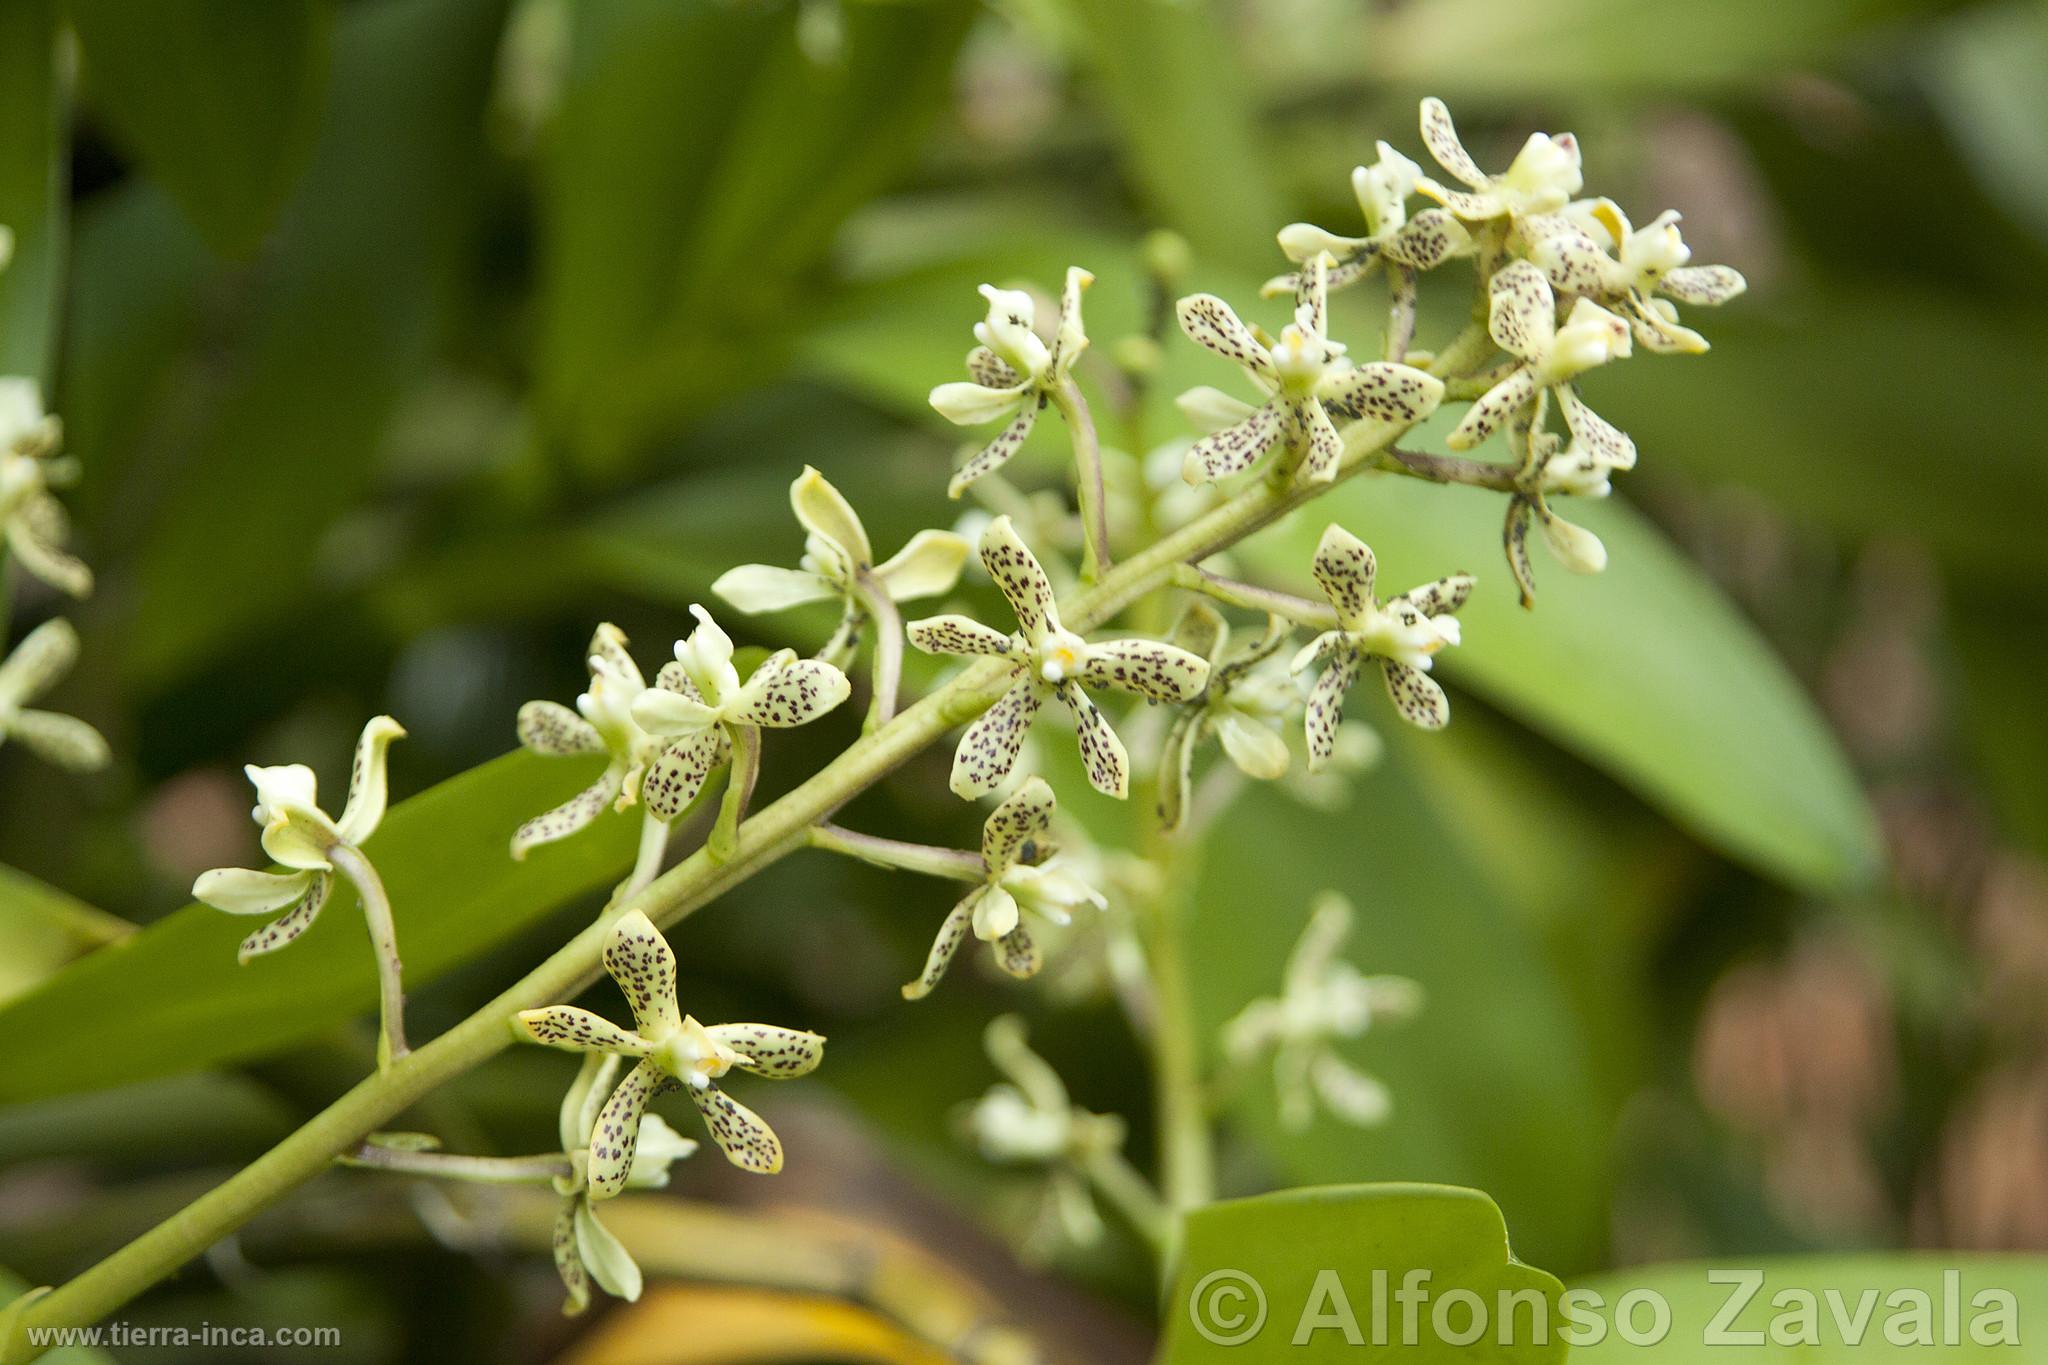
1440,135
640,960
954,634
1601,437
572,815
1026,815
1575,262
1325,709
1499,404
1209,322
1146,668
951,933
1102,753
1703,284
1312,294
990,370
997,452
1345,569
1444,597
608,643
617,1133
1416,696
1072,337
787,691
569,1261
1522,311
674,779
1424,242
989,749
1235,448
747,1141
1515,541
1017,572
780,1053
548,727
1325,448
1017,954
291,923
44,655
1398,395
578,1030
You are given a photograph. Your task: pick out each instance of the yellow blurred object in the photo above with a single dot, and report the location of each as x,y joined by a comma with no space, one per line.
717,1325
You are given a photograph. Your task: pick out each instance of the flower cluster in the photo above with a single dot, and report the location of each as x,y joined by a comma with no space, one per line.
1323,1000
33,524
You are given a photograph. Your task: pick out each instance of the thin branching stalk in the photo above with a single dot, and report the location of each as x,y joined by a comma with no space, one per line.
955,863
1252,597
888,665
1088,479
739,790
477,1170
654,834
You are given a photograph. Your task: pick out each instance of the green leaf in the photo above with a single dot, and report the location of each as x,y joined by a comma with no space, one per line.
217,100
283,446
700,166
1182,103
42,928
172,998
1823,1310
32,186
1311,1275
1646,670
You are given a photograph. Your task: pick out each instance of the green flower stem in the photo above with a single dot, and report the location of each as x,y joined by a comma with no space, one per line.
654,834
1130,1194
954,863
477,1170
739,790
384,940
1186,1140
1449,469
1088,478
1252,597
766,837
888,623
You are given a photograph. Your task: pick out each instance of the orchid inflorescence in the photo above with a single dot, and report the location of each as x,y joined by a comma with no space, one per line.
1564,286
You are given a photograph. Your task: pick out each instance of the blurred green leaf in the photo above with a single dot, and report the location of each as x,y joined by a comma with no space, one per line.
33,180
42,928
1491,1082
217,99
1312,1258
1830,1300
284,445
1646,670
1186,122
12,1285
700,164
172,999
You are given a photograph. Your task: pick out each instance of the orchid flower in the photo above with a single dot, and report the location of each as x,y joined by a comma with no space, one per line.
1420,241
1048,660
1307,379
700,703
45,655
603,723
839,563
1403,634
672,1051
1522,319
1249,697
1021,874
1543,177
1590,249
33,524
298,835
1581,469
1013,371
1324,1000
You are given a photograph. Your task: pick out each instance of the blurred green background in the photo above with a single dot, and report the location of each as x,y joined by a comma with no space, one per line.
403,340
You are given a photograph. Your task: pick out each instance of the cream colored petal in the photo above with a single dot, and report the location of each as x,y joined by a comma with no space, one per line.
1440,135
1256,749
967,404
548,727
660,711
241,891
606,1257
951,932
825,512
926,567
44,655
1522,311
755,588
585,1097
995,914
367,785
66,741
